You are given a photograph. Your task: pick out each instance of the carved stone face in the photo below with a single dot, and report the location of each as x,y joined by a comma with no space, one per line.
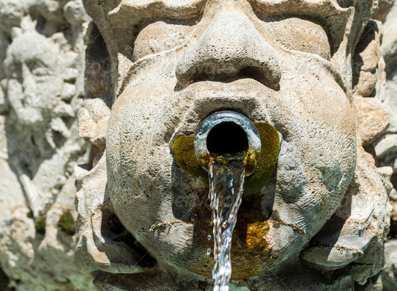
31,70
41,86
273,61
36,78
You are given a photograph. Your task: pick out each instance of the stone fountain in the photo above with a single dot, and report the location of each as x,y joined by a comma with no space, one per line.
314,212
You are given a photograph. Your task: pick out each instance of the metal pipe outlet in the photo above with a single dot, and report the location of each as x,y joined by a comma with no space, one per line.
226,132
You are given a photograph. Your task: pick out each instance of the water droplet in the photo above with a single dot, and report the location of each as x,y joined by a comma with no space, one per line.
208,253
209,237
211,223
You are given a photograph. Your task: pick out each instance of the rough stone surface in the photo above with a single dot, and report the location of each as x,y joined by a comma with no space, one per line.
41,80
315,70
385,149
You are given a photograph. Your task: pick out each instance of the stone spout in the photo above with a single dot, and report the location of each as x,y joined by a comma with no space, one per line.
227,132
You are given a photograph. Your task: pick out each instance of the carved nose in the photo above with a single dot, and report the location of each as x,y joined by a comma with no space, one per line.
230,47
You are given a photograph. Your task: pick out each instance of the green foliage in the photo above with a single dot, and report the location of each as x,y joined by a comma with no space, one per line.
66,223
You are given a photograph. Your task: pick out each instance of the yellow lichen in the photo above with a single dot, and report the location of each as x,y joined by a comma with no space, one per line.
250,162
255,240
270,142
186,157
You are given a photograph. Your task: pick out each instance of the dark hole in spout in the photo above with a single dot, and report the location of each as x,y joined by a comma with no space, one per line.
227,138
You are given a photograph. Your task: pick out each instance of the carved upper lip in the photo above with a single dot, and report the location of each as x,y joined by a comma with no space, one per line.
208,97
239,95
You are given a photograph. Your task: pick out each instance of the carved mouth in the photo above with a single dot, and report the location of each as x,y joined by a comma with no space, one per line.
265,148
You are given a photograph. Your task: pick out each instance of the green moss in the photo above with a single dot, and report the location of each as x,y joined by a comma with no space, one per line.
270,141
66,223
29,214
186,157
40,224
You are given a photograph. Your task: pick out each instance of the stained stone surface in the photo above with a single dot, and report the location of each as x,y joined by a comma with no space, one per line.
142,73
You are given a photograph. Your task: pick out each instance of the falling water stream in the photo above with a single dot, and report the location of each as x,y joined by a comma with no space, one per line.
226,176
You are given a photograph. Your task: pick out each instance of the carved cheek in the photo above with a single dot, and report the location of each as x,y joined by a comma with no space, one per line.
317,159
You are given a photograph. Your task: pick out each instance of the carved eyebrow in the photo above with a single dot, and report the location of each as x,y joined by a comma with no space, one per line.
146,9
327,12
170,3
323,8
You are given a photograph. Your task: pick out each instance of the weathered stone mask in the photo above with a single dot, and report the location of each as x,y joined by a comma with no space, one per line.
283,65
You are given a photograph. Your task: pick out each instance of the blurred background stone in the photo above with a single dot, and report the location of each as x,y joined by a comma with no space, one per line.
41,91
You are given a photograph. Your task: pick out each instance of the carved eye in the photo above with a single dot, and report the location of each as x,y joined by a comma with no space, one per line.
160,36
42,72
302,35
38,68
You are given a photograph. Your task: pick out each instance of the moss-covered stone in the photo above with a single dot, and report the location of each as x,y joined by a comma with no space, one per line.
40,224
267,161
186,157
66,223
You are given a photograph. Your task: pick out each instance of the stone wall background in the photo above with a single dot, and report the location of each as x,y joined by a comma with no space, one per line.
42,51
385,147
